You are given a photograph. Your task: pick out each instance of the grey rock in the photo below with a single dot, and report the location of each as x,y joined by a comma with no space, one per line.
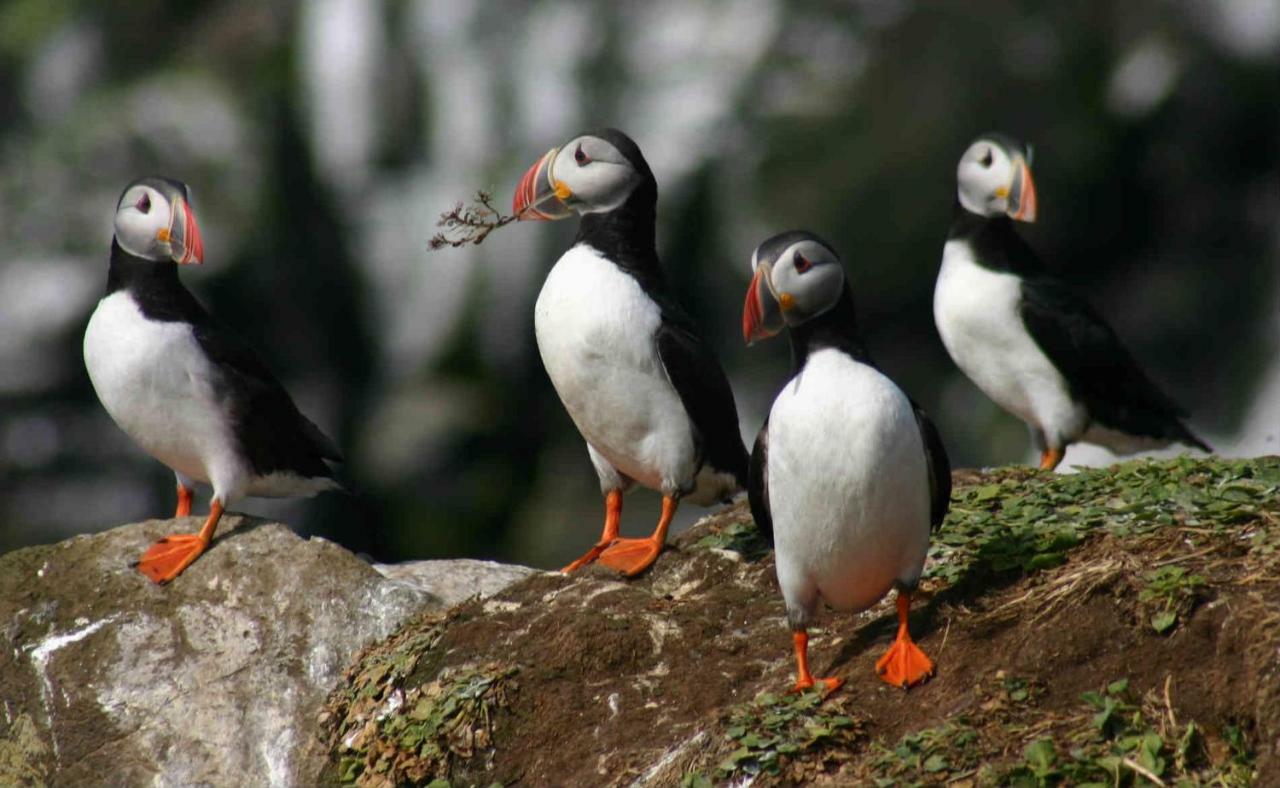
216,678
455,580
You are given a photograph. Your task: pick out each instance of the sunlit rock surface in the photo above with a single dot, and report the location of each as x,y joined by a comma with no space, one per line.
213,679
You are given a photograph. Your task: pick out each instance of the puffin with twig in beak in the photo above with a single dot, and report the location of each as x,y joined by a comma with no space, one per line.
643,388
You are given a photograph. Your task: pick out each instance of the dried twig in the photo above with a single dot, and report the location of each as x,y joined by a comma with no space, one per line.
1145,772
469,224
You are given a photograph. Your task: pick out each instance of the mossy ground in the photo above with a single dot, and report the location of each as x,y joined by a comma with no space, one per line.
1119,626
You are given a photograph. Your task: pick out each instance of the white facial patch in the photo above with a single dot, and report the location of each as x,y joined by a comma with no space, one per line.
811,276
142,214
598,175
984,178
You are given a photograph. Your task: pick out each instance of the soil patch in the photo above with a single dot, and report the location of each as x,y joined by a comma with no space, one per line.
1120,625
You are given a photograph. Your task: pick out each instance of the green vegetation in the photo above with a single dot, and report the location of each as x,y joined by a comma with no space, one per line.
1112,737
740,535
1117,739
1171,588
429,728
1021,521
392,726
772,733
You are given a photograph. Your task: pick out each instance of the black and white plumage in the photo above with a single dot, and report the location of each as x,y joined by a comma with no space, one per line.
1023,337
186,389
643,388
848,473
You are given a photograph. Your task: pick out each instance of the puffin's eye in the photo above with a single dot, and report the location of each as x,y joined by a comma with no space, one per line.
802,263
144,203
987,158
581,157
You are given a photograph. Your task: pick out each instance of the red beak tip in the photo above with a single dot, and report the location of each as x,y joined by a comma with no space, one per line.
751,312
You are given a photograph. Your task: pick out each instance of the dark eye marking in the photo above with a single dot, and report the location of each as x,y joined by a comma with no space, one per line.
987,158
580,156
144,203
802,263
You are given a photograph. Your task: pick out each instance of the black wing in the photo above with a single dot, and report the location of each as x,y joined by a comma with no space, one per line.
1098,369
935,455
704,390
271,431
758,484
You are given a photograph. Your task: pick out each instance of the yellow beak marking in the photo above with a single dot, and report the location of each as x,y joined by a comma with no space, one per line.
1002,192
163,235
563,192
786,301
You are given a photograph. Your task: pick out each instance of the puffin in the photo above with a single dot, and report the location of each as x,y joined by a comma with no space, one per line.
642,386
848,474
184,387
1030,343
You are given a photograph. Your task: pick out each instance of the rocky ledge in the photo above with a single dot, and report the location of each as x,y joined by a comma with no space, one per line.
1117,626
214,679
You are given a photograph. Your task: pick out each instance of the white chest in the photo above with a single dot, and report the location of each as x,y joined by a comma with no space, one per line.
155,382
978,315
848,483
595,328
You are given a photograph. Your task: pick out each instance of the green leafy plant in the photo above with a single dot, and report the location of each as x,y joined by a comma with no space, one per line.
773,729
428,729
741,536
1170,589
935,754
1025,521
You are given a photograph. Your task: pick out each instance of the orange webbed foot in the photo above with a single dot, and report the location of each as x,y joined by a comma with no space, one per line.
589,557
612,514
826,685
904,664
167,558
631,556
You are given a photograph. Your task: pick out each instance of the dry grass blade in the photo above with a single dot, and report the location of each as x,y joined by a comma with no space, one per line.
469,224
1145,772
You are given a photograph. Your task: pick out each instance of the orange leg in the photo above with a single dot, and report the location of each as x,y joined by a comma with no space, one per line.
1049,458
633,556
904,664
184,501
167,558
804,679
612,514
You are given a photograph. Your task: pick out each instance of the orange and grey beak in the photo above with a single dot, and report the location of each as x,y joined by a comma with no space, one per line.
761,314
1022,192
540,197
183,235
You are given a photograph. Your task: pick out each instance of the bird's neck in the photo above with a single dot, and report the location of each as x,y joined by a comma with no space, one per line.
626,234
154,287
967,224
836,329
130,272
995,242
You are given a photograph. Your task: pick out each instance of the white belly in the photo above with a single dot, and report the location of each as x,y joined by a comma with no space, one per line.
595,329
848,486
156,384
977,312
